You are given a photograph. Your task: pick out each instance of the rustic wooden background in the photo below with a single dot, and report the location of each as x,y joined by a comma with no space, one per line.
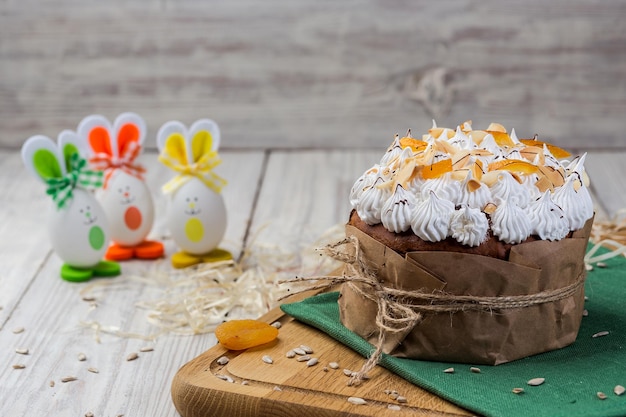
317,73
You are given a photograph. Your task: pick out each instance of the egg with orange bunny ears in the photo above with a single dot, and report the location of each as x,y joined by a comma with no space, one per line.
196,215
77,224
126,198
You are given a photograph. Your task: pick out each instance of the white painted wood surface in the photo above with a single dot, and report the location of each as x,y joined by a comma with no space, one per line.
298,194
311,74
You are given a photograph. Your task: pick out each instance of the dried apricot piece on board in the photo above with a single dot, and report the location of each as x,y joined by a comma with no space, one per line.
244,334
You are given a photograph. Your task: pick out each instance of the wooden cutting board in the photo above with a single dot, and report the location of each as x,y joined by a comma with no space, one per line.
287,387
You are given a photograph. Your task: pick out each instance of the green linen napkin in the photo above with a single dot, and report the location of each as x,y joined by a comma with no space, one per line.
573,375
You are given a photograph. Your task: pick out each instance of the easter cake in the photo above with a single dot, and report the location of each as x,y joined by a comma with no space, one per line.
476,239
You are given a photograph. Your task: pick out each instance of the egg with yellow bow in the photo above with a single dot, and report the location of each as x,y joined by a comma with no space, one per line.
196,215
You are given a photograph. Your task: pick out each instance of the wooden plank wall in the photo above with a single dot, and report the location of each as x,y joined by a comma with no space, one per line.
317,73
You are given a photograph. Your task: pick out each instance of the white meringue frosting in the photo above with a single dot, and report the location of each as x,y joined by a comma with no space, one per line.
364,182
472,196
510,223
577,205
464,183
371,202
547,219
431,218
445,188
396,212
508,189
469,226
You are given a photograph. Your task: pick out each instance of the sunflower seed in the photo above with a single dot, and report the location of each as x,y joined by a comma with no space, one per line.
88,414
225,378
394,407
267,359
303,358
312,362
93,370
306,349
290,354
601,265
21,351
68,379
536,381
245,382
348,372
517,390
449,371
586,298
601,395
146,349
82,357
357,401
600,334
18,330
132,356
222,360
277,324
19,366
585,313
51,384
619,390
394,395
589,267
333,365
89,298
299,351
277,388
401,399
475,370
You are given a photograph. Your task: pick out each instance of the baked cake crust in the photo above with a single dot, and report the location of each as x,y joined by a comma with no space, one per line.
408,242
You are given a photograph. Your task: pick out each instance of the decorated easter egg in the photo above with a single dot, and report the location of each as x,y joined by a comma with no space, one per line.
79,231
196,217
128,205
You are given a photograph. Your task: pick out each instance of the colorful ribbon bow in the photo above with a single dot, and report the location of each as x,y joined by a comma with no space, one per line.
109,163
201,169
61,189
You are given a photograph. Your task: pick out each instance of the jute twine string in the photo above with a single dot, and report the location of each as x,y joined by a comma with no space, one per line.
400,310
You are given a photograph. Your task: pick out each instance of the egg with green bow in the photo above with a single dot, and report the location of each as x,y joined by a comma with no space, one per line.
77,225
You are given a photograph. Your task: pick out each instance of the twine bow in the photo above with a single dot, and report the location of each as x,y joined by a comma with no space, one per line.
110,164
61,189
399,310
201,169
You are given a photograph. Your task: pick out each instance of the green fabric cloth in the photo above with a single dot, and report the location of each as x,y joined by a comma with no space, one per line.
573,375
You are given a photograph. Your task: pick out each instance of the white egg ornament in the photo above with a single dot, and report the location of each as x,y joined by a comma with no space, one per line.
196,218
77,225
125,197
196,215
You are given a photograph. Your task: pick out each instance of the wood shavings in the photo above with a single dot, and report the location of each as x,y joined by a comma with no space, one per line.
196,300
610,234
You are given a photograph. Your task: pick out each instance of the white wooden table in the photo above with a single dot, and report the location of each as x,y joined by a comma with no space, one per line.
298,194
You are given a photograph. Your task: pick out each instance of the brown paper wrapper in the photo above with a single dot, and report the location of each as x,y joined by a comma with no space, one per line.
478,337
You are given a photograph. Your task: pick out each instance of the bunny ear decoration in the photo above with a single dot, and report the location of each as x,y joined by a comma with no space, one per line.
96,131
172,141
204,136
114,147
42,158
129,129
191,153
47,162
68,144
